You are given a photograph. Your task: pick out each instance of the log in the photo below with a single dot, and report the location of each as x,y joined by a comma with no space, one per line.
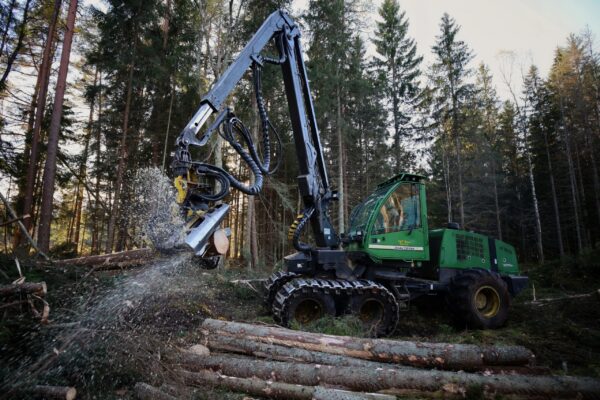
37,288
144,391
118,260
227,344
53,392
273,390
437,355
373,380
281,353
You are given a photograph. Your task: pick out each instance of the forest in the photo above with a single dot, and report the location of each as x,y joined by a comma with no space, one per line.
93,95
523,170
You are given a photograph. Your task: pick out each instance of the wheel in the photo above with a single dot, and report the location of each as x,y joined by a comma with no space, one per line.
479,299
302,305
376,308
274,283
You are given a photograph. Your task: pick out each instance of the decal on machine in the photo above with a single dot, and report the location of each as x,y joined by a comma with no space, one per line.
393,247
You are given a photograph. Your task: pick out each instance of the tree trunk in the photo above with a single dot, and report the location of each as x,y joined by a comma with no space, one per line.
572,178
96,234
496,202
37,288
53,392
143,391
50,167
13,56
83,169
121,167
370,379
44,79
561,247
338,129
11,15
461,205
273,390
282,353
441,355
113,260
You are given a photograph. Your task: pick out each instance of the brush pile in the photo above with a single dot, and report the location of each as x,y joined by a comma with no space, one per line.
278,363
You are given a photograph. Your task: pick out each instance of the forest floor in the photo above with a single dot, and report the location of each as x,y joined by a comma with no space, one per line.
109,330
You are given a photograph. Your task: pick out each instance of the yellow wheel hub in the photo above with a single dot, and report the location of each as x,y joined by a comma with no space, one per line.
307,311
487,301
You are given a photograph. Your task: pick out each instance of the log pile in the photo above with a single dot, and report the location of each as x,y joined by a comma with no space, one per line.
278,363
30,294
119,260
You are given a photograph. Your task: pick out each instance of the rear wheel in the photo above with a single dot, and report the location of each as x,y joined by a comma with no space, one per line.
376,309
479,299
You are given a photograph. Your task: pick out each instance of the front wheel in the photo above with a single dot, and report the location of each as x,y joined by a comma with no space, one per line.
479,299
302,304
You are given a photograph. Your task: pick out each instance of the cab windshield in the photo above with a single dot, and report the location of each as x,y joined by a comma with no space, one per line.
361,213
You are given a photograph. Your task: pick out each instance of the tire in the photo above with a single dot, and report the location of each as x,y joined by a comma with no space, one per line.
377,310
274,284
305,306
479,299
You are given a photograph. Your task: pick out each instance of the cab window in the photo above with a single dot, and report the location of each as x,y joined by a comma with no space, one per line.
400,212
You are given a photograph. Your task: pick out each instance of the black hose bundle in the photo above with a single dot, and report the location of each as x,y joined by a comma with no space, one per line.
232,128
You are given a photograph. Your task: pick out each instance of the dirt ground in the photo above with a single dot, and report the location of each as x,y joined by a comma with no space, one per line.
109,330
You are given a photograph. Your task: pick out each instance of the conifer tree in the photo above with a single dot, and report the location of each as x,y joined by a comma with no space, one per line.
398,63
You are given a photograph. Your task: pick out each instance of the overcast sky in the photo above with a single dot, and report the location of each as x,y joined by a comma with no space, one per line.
531,28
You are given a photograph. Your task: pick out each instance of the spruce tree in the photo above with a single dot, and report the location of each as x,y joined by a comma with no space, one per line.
398,64
449,74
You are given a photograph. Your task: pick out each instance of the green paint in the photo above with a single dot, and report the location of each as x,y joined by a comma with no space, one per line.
391,224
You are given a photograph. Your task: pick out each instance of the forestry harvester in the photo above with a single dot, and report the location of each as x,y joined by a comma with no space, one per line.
389,256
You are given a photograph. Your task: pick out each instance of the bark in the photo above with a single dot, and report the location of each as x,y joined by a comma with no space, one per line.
121,167
44,78
461,205
143,391
536,209
37,288
53,392
369,379
96,226
273,390
441,355
338,130
52,150
112,261
283,353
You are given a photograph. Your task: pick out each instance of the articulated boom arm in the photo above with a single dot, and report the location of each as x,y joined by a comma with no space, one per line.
313,181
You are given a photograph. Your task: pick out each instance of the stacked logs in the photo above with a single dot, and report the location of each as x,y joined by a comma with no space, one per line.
279,363
21,293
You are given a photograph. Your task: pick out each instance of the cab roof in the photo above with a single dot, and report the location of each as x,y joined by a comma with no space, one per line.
402,177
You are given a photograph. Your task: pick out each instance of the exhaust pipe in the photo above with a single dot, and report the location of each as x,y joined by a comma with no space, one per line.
198,237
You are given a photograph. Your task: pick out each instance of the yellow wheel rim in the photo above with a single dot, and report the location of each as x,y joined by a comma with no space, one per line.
487,301
307,311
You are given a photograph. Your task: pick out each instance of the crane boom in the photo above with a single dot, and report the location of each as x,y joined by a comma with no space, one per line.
313,182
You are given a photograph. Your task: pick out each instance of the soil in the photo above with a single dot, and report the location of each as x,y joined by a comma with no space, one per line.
109,330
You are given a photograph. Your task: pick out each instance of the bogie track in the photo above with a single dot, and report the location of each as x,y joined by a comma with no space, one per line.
306,299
